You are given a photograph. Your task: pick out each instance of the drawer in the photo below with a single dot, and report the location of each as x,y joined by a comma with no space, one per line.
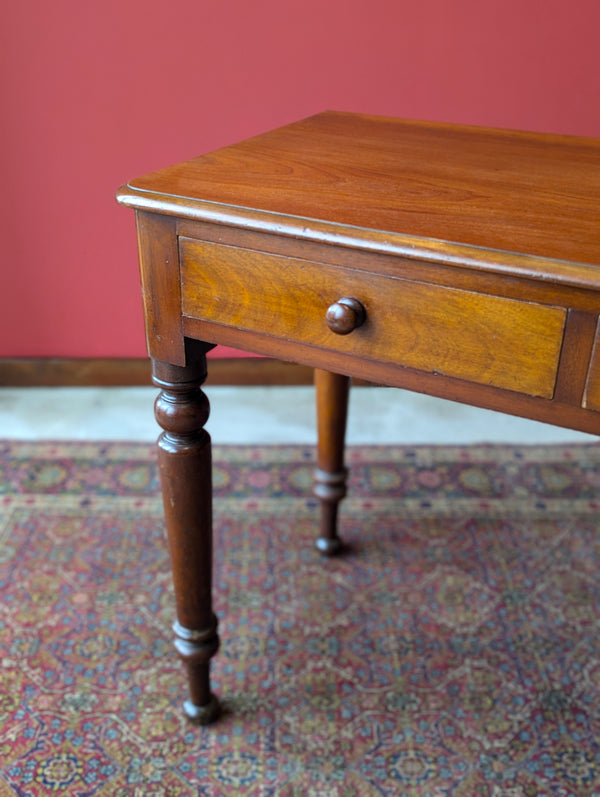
490,340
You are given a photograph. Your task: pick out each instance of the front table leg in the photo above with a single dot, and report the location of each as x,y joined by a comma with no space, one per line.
184,456
330,474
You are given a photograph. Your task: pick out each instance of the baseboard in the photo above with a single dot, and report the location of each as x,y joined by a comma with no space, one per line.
113,372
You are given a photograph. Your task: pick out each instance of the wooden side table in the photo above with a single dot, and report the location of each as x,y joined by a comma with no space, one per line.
456,261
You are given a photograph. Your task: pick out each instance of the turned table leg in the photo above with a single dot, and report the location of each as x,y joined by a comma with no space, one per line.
332,392
184,455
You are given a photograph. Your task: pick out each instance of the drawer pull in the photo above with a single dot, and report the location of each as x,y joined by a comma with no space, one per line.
345,315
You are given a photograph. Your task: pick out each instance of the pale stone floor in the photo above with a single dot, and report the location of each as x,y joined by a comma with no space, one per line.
270,415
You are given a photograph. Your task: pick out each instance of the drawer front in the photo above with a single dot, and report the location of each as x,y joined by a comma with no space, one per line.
490,340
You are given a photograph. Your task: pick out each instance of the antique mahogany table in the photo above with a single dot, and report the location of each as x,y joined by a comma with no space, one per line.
456,261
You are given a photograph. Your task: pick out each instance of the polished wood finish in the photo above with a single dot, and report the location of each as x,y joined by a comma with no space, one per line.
184,458
473,253
161,288
345,315
474,336
443,183
330,474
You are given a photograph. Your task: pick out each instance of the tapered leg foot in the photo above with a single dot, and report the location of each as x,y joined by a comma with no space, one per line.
202,715
330,488
196,649
332,391
184,458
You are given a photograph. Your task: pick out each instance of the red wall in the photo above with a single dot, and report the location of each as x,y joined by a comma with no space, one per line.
96,93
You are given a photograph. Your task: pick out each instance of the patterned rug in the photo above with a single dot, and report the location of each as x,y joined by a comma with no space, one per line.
453,650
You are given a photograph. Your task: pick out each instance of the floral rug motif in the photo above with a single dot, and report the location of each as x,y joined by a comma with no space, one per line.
453,649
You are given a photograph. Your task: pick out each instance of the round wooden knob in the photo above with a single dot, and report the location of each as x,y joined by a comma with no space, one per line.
345,315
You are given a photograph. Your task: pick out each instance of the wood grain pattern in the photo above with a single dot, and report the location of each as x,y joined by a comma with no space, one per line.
159,271
474,253
500,273
535,194
485,339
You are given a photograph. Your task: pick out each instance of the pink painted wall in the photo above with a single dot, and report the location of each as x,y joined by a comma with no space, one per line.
96,93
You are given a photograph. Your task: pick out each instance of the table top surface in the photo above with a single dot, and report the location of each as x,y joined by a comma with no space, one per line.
531,193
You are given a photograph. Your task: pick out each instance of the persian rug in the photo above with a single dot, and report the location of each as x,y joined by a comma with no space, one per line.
454,649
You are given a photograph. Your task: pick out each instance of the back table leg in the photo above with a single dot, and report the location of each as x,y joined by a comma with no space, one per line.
184,454
332,392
